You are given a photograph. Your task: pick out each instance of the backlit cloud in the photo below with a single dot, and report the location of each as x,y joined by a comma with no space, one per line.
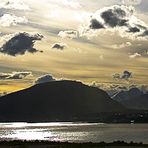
123,45
68,34
135,55
14,5
45,79
20,43
8,20
14,75
119,17
59,46
131,2
68,3
126,75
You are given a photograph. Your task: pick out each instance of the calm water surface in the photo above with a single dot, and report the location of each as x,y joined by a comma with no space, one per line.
74,132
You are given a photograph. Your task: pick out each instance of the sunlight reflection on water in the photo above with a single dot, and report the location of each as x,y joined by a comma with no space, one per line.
74,132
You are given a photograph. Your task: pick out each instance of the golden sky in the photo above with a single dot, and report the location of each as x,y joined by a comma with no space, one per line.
91,41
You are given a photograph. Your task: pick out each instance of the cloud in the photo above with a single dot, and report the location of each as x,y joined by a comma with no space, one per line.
119,18
126,75
59,46
134,29
68,34
113,89
114,17
68,3
145,33
45,79
20,43
14,75
3,94
95,24
131,2
8,20
144,88
123,45
135,55
14,5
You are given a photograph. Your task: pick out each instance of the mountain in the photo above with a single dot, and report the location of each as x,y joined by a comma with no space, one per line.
132,99
139,102
127,95
56,101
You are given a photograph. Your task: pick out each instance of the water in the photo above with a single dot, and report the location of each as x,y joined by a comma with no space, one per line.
74,132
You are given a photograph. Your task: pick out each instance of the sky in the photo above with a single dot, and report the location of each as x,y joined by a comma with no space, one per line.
103,43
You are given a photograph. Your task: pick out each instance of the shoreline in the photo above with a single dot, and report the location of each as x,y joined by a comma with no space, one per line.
48,144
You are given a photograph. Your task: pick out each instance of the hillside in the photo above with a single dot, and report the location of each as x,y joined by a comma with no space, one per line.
132,99
56,101
127,95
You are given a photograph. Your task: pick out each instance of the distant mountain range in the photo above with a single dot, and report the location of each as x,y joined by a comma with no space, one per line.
126,95
133,99
140,102
56,101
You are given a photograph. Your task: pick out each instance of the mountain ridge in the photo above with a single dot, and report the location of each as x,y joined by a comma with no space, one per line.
57,100
132,99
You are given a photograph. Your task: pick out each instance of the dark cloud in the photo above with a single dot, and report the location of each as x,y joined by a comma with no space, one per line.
94,24
134,29
45,79
60,46
14,75
114,17
120,17
145,33
20,43
126,75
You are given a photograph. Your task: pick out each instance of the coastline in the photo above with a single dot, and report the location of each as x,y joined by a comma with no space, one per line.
48,144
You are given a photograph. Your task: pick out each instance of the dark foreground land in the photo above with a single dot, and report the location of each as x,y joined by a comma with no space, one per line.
45,144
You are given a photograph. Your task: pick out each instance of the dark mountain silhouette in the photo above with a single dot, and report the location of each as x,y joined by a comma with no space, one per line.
127,95
132,99
140,102
56,101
